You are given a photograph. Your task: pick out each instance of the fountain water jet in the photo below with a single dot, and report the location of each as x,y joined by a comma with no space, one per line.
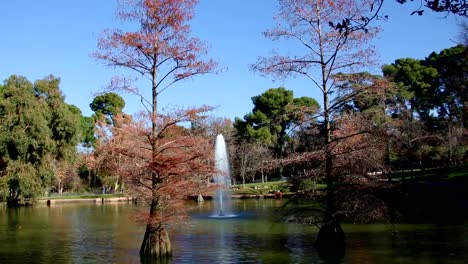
222,178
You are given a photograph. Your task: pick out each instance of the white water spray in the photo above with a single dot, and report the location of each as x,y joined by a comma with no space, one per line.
222,178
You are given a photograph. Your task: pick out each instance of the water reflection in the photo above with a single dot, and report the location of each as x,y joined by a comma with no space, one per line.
95,233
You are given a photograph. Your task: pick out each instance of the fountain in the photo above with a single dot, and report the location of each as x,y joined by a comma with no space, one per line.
222,178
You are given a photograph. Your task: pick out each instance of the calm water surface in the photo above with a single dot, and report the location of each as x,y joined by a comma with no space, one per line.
95,233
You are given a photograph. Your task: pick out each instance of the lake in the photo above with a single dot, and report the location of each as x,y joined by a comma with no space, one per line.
107,233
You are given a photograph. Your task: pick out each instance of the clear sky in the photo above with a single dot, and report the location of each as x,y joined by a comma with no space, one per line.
45,37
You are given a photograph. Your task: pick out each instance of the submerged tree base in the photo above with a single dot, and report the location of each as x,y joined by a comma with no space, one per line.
156,245
331,241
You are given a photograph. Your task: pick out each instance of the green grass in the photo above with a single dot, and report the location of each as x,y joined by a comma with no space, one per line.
271,185
82,196
266,188
259,188
454,173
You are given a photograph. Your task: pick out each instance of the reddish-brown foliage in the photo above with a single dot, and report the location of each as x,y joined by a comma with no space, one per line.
309,24
182,159
161,49
325,53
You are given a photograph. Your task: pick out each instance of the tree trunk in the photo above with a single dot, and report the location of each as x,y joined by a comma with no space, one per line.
331,240
60,187
449,141
156,244
200,198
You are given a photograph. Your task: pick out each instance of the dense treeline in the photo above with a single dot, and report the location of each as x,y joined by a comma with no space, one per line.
413,116
38,138
46,145
423,113
44,142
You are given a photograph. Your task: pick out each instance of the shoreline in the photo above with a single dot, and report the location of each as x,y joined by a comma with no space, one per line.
131,199
85,200
248,196
102,200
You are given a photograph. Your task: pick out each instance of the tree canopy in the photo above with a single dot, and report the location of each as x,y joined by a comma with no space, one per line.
430,100
107,105
162,50
275,112
38,136
436,84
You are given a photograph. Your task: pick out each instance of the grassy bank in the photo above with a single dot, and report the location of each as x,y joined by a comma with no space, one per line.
270,188
453,174
260,188
70,196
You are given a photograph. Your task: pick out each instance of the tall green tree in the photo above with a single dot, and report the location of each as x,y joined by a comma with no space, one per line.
275,112
430,100
24,140
107,105
416,84
451,100
412,102
63,120
87,124
38,137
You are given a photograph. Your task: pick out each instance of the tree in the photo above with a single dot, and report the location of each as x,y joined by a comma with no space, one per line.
86,137
162,51
275,112
350,23
423,88
107,105
327,51
451,100
183,160
415,80
38,137
248,159
457,7
210,127
452,95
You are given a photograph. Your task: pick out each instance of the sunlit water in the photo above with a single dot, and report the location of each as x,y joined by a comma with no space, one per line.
94,233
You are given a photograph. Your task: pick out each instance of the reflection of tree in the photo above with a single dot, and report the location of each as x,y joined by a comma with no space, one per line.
33,235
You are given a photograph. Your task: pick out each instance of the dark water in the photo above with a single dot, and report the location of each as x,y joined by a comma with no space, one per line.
94,233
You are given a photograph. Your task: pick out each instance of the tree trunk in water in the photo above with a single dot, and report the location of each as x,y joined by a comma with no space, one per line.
156,244
331,241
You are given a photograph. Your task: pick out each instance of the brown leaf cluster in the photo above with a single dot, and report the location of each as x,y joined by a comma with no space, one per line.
161,50
181,161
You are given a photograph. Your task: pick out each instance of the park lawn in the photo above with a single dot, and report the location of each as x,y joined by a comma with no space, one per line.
259,188
265,185
82,196
265,188
448,174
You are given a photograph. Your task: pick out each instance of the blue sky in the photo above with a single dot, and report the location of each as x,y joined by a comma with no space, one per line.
56,37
